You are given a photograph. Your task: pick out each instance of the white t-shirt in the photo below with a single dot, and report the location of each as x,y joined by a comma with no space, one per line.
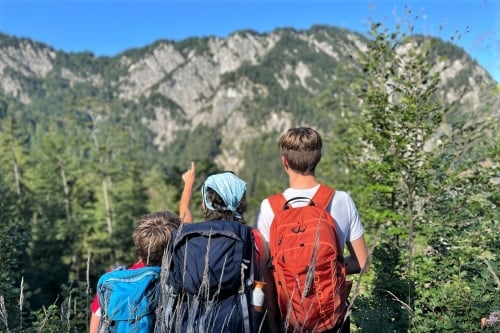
342,208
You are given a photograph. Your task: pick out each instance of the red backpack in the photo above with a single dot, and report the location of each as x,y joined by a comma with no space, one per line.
308,263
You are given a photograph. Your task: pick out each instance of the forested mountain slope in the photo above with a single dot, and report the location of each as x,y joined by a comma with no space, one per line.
240,87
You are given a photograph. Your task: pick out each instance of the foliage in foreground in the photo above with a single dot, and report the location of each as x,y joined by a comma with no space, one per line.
431,213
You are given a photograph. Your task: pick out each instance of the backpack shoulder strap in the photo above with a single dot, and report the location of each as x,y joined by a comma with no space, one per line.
277,202
323,196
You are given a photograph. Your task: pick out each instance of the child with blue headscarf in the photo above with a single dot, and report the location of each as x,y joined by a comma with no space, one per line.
224,198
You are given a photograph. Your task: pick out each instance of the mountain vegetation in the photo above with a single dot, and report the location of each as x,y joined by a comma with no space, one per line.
411,128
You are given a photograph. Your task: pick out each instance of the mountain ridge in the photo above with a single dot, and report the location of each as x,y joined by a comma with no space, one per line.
245,85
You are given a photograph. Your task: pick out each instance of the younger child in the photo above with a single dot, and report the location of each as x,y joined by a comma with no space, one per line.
151,237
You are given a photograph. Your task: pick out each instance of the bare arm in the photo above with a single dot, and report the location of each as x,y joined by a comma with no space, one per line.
187,193
94,323
357,261
269,289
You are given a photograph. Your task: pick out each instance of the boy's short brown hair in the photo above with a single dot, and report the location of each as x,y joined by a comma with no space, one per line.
153,234
301,148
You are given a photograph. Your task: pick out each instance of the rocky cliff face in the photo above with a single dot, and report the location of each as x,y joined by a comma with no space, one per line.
25,59
212,81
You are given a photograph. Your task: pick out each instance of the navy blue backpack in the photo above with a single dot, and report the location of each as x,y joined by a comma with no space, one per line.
209,279
128,299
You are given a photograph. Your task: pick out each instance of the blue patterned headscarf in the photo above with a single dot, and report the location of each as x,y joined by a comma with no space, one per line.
229,187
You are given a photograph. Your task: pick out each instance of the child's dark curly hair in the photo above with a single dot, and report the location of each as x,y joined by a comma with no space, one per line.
220,213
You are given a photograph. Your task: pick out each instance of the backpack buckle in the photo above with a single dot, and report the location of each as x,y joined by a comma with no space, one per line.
301,227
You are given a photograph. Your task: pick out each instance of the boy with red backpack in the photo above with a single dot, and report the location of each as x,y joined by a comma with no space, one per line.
307,227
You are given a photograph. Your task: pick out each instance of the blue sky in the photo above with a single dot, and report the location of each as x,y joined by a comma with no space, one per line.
108,27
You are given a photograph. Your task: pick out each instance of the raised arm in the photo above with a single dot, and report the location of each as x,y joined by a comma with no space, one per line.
187,193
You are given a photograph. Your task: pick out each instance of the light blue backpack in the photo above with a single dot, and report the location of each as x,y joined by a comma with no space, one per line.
128,300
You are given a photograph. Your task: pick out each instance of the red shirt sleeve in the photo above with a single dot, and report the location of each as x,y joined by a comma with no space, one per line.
94,306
